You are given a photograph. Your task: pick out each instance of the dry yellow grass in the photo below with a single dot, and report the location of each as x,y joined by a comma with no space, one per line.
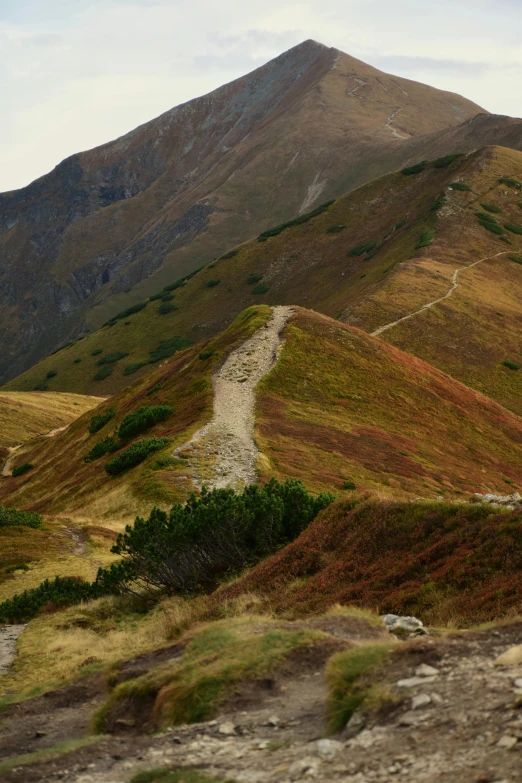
26,415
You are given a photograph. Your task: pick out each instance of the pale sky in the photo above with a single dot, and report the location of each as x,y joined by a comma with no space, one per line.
78,73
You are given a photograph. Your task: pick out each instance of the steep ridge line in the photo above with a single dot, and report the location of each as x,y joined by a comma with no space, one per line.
427,306
223,453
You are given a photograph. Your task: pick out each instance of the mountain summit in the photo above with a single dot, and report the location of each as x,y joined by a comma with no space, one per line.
109,226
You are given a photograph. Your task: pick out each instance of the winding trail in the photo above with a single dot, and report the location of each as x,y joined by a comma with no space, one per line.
223,453
454,286
8,469
8,636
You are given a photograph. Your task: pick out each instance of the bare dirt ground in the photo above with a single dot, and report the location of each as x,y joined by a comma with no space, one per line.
223,453
461,723
429,305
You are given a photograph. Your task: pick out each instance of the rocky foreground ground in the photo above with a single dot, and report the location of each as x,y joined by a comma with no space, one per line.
455,717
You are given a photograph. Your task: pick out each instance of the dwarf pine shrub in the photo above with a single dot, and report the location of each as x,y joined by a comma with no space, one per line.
99,420
335,229
143,419
11,517
513,228
360,250
206,354
459,186
168,348
59,592
97,352
105,446
511,365
254,279
167,307
51,374
447,160
130,369
415,169
21,469
177,284
229,254
134,455
491,208
111,358
510,182
154,389
272,232
426,240
213,282
260,288
514,257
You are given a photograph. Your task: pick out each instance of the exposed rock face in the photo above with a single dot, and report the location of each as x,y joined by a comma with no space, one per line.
179,190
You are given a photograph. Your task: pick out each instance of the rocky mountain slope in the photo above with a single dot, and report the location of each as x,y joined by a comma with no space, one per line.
109,226
379,254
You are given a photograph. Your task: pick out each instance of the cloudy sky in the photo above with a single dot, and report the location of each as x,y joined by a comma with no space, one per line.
77,73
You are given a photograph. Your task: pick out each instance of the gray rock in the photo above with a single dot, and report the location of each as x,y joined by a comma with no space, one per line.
413,682
507,742
328,748
426,671
410,625
227,728
421,700
308,766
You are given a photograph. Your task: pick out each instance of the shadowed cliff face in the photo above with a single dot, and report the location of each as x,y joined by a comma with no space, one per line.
108,227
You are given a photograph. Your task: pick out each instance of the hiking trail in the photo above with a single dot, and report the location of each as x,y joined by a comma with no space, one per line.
223,453
8,464
454,286
8,636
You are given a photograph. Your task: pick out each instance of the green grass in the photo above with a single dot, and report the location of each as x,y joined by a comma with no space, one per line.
55,752
349,686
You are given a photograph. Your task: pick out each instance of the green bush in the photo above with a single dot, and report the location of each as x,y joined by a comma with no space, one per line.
335,229
143,419
97,352
130,369
260,288
154,389
167,307
206,354
167,297
229,254
168,348
157,296
513,228
491,226
359,250
21,469
441,200
254,279
77,361
491,208
65,345
111,358
484,217
41,387
104,372
415,169
135,308
221,531
459,186
506,239
51,374
515,258
510,182
441,163
177,284
105,446
135,454
401,224
272,232
11,517
213,282
511,365
426,240
62,591
349,485
99,420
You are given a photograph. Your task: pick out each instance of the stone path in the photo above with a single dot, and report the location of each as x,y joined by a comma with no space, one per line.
223,453
8,636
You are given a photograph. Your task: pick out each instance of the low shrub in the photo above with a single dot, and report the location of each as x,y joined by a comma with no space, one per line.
60,592
441,200
360,250
260,288
134,455
491,208
11,517
272,232
167,297
221,531
441,163
130,369
99,420
486,218
335,229
415,169
21,469
515,258
513,228
111,358
168,348
349,485
511,365
426,240
510,182
491,226
135,308
254,279
459,186
65,345
177,284
105,446
229,254
104,372
155,297
213,282
51,374
41,387
401,224
167,307
97,352
154,389
206,354
143,419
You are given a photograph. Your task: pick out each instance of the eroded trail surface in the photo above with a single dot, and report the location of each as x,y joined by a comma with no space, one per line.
8,465
223,453
454,286
8,636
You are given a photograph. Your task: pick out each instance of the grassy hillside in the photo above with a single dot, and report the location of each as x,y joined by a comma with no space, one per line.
447,563
26,415
357,261
340,409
